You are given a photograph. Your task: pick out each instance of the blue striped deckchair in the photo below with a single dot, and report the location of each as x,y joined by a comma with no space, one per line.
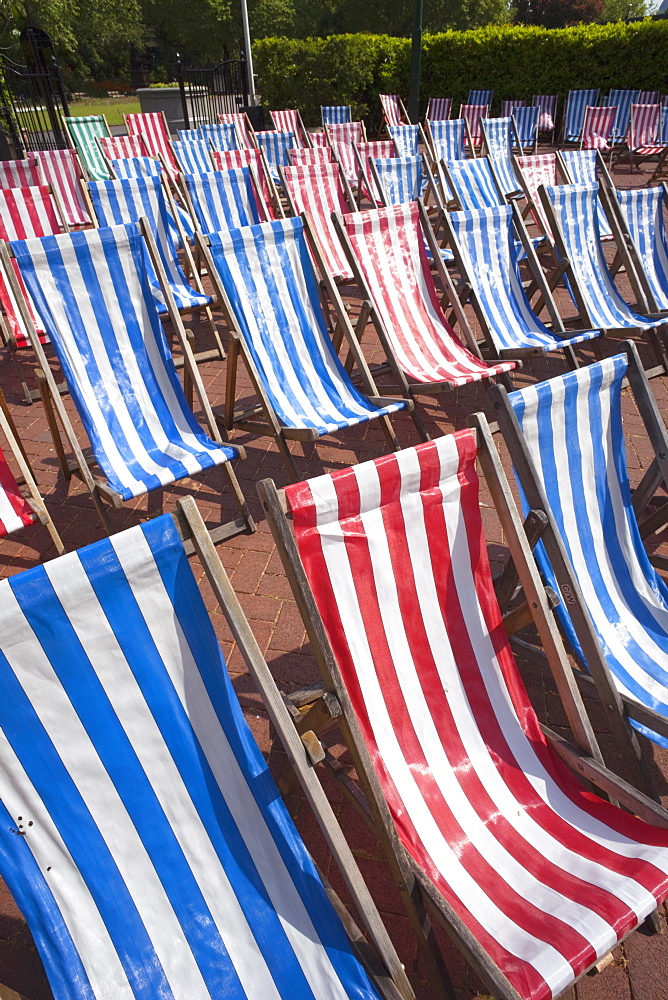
622,100
146,166
132,198
275,146
576,105
189,134
480,97
448,142
642,209
335,114
135,166
83,132
267,283
473,184
92,292
486,254
224,199
526,120
500,139
193,156
406,139
616,614
582,166
397,179
571,209
221,136
156,854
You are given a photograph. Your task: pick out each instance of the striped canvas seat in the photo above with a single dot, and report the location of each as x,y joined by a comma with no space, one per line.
622,100
162,861
132,198
123,147
649,97
406,139
447,139
62,170
345,132
398,179
500,140
275,146
487,255
147,166
480,97
582,168
643,211
547,103
597,127
270,282
291,121
508,107
229,158
15,511
575,423
576,218
526,120
243,126
335,114
544,876
378,149
224,199
115,358
20,173
152,127
317,191
311,156
189,134
221,136
439,109
473,183
194,156
393,109
578,101
644,130
388,245
474,113
538,170
319,139
136,166
84,132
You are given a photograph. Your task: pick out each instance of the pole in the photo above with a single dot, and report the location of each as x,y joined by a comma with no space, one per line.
416,60
249,55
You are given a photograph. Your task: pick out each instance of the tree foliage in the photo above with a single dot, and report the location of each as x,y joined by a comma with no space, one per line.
558,13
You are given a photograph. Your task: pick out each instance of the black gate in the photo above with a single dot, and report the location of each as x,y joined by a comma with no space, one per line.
207,92
32,97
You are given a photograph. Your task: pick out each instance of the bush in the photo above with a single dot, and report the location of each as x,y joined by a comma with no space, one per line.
516,61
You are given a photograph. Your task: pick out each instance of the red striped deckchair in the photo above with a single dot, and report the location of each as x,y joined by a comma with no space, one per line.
644,130
532,172
19,173
534,877
122,147
509,105
311,155
291,121
319,139
438,109
597,128
254,158
379,149
62,170
474,113
394,112
346,132
152,127
317,191
242,126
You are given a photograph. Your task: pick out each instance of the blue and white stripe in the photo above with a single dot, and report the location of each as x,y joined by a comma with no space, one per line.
406,139
92,292
526,124
276,146
146,166
578,102
223,199
448,139
473,184
582,168
221,135
499,136
158,859
643,211
335,114
131,199
270,280
190,134
573,429
400,178
193,156
622,100
480,97
575,213
486,244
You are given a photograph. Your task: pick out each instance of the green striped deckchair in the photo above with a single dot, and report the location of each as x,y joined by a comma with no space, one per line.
83,132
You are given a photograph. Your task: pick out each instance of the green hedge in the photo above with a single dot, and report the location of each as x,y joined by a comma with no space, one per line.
516,61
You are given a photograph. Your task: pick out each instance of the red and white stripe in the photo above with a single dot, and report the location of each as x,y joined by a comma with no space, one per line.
473,114
392,111
597,127
346,132
150,125
228,158
537,170
389,249
311,155
122,147
317,191
241,127
377,149
544,875
19,173
644,128
15,511
62,170
509,105
438,109
291,121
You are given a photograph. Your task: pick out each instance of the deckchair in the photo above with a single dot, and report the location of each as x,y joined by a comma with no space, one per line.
447,140
585,166
136,166
155,852
275,146
576,104
508,106
567,442
649,97
534,171
291,121
534,877
122,147
473,183
193,157
62,170
17,510
397,179
622,100
83,132
473,113
189,134
245,131
255,158
268,288
335,114
317,191
386,249
320,139
547,119
482,98
642,212
221,136
483,243
180,224
597,128
394,112
311,156
406,138
500,140
644,131
379,149
152,127
224,199
438,109
526,120
112,350
19,173
345,132
571,210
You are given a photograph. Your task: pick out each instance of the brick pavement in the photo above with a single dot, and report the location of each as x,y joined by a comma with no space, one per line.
640,968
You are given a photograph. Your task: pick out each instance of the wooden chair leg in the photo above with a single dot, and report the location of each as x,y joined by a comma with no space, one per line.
45,396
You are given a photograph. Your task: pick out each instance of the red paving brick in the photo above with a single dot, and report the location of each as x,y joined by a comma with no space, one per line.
640,969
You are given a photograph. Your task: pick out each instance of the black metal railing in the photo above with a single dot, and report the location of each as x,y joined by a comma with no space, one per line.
32,101
208,91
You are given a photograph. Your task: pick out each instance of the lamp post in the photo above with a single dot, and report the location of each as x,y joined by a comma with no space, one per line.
416,60
249,55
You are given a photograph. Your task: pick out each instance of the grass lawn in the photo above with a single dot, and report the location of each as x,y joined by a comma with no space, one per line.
113,107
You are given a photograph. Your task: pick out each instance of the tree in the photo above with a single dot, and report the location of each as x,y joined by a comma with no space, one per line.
558,13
